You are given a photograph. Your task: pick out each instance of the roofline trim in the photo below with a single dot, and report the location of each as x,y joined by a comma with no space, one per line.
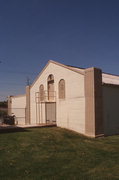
110,74
20,95
59,64
110,85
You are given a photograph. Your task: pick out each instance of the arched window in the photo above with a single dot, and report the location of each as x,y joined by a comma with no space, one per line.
50,86
62,89
41,92
50,78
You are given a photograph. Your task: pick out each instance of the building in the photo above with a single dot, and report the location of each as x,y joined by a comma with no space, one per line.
83,100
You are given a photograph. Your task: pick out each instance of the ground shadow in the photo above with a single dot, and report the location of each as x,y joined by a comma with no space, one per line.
12,130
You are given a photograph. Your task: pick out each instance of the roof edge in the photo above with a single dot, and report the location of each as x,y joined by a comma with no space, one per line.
67,67
110,74
19,95
59,64
110,85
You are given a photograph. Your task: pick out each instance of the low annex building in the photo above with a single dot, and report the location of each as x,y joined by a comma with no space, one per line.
83,100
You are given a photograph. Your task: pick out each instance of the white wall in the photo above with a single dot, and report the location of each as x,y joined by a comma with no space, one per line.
111,110
71,111
18,105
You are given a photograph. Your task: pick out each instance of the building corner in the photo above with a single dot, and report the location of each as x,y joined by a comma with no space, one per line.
94,126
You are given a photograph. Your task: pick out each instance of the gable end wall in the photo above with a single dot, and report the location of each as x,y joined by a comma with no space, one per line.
71,110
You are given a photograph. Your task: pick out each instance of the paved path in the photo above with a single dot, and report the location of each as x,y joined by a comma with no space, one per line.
37,125
4,126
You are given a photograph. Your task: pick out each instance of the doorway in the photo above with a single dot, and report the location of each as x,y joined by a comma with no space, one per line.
50,112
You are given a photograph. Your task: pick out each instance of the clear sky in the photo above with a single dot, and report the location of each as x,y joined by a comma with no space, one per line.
81,33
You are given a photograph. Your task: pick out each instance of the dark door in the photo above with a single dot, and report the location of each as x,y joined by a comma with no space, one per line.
50,112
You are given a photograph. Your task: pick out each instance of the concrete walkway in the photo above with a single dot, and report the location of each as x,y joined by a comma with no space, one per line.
4,126
37,125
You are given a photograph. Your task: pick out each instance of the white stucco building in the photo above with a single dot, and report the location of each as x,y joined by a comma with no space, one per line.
83,100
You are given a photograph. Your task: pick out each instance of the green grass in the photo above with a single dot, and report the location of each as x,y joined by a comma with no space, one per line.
54,153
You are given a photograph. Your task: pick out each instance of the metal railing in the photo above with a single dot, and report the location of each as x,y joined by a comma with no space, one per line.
47,96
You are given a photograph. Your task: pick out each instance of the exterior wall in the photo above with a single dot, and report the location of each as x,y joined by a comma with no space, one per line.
111,109
70,112
18,105
94,126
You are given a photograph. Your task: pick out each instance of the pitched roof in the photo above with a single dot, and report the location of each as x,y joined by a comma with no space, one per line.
110,79
106,77
77,70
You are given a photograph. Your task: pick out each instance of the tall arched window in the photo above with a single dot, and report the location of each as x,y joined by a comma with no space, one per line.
50,78
62,89
50,82
41,92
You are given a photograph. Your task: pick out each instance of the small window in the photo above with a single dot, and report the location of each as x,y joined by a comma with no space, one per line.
41,92
62,89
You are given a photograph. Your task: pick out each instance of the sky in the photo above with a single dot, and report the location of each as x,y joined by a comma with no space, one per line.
83,33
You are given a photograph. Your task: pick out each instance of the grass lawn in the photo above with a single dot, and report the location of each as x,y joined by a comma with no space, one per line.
54,153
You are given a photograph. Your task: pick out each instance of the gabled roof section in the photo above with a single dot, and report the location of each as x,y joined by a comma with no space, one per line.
77,70
110,79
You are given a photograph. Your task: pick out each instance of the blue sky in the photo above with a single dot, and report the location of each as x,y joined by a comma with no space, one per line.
82,33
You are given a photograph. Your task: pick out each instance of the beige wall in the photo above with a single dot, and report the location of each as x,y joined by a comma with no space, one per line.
93,103
71,111
111,109
18,105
